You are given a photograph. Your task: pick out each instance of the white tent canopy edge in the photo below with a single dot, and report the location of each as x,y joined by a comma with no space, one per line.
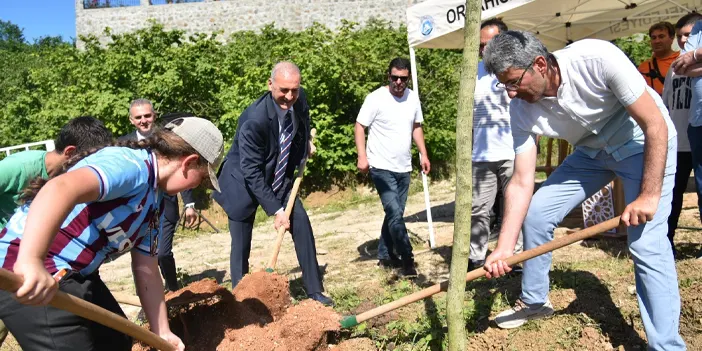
439,24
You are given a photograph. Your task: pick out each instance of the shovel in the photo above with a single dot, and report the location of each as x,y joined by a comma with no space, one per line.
288,210
351,321
11,282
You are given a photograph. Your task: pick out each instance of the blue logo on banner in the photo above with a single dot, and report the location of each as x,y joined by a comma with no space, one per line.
426,25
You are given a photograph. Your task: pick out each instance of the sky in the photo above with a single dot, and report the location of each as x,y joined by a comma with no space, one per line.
40,18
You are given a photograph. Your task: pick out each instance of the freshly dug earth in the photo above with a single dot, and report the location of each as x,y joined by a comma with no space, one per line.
358,344
256,316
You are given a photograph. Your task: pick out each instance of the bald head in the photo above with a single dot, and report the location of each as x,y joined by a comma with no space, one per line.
285,69
284,84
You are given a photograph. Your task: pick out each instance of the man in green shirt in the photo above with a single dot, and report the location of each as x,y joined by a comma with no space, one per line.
18,170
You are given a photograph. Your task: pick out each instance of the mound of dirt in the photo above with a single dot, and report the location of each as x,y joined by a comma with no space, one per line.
358,344
270,290
256,317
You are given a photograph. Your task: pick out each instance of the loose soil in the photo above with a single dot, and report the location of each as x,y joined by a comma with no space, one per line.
357,344
256,316
590,284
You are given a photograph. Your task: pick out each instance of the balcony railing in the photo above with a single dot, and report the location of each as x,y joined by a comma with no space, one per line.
166,2
99,4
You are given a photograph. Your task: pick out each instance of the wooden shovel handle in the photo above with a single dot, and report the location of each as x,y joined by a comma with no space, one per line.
11,282
288,210
127,299
480,272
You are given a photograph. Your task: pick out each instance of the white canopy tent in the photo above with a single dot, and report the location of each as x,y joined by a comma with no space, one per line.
438,24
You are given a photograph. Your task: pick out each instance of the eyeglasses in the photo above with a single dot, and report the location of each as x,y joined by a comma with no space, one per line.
146,115
515,85
394,78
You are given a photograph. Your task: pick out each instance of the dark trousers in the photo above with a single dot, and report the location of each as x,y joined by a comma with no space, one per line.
392,188
682,175
695,136
302,236
169,223
41,328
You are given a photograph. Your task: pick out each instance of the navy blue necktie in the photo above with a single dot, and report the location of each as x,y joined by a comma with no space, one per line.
285,143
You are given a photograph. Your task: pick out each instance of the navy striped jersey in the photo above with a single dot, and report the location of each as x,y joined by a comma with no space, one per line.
124,217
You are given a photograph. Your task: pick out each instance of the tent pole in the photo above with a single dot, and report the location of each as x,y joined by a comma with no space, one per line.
427,203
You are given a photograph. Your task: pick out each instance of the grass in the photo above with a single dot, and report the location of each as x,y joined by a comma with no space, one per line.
346,299
352,200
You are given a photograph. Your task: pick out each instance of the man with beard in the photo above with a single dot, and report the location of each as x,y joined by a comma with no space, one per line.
493,156
393,116
590,95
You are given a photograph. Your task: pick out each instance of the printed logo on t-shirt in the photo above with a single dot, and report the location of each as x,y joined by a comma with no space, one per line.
682,94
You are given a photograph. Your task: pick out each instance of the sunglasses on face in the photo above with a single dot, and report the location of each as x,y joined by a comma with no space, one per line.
394,78
147,115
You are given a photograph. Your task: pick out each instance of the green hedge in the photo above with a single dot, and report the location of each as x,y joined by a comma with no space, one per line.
43,85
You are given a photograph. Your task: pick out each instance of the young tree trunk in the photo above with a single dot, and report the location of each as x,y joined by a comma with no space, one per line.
464,180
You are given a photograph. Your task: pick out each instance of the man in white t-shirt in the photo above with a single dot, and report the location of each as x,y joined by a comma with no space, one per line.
591,95
493,155
677,96
393,116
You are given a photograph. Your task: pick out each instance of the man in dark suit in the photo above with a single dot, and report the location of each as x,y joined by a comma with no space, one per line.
142,116
271,140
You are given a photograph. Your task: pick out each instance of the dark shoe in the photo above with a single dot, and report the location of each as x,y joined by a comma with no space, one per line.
388,263
475,264
168,271
516,269
407,270
321,299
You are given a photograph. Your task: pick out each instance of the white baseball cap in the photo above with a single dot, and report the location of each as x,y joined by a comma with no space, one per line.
205,138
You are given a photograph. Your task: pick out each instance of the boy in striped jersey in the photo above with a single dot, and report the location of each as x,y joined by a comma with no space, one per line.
107,203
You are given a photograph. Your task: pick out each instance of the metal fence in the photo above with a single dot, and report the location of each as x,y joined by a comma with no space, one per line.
46,144
99,4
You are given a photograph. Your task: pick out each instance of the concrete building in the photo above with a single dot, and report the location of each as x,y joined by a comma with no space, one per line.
92,16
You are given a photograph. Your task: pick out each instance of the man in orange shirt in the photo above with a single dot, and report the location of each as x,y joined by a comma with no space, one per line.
654,69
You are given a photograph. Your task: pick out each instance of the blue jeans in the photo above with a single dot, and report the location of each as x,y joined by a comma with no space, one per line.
578,178
392,188
695,136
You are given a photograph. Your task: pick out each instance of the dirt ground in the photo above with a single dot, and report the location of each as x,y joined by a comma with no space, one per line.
256,316
591,282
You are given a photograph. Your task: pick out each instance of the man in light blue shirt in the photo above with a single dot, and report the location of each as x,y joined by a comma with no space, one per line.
591,95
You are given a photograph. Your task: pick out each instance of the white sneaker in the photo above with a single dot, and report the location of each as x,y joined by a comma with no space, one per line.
521,313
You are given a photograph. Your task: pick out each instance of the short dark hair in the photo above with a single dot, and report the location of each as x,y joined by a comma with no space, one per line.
688,19
501,26
85,133
667,26
399,63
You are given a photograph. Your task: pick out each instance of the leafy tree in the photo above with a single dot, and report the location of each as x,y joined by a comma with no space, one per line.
11,36
50,81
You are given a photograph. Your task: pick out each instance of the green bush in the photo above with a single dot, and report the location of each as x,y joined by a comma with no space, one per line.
42,86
